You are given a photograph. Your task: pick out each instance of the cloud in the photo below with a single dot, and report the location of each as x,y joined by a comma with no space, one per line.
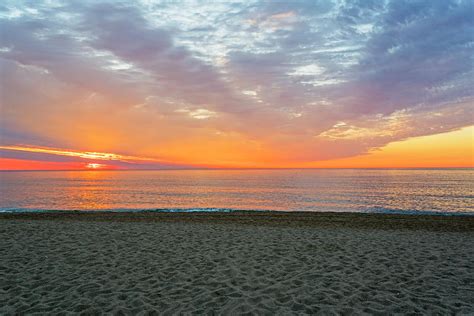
294,81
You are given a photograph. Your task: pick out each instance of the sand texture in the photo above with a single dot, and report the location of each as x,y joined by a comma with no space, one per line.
123,267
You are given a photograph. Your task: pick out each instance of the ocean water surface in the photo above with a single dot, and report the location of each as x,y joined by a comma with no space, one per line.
447,191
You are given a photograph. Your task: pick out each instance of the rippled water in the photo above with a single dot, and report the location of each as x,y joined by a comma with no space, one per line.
289,190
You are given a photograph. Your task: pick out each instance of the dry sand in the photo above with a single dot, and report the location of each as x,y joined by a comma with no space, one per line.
220,264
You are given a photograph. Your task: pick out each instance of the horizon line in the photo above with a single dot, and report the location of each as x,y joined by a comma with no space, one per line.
257,168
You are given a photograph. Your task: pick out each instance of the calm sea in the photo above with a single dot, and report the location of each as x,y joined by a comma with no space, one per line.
440,190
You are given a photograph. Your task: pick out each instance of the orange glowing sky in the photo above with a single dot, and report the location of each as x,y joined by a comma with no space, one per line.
439,151
279,85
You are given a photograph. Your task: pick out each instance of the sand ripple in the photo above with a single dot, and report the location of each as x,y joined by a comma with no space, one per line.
159,268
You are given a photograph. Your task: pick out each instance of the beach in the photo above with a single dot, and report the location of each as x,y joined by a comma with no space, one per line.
236,263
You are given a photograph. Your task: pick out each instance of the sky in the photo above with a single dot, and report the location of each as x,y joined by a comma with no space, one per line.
253,84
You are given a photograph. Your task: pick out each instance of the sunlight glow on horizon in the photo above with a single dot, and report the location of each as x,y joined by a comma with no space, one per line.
450,148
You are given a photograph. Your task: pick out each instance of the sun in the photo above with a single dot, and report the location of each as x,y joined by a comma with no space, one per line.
95,166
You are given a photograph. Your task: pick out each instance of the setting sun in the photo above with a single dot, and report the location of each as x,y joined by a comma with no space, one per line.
96,166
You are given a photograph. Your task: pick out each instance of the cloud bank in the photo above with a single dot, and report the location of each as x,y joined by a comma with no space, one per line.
233,83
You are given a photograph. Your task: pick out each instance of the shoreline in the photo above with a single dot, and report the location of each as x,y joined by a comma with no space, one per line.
441,222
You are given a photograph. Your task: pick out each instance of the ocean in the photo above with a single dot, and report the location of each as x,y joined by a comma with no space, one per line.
418,191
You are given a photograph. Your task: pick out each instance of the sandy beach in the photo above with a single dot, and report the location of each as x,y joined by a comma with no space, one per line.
256,263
